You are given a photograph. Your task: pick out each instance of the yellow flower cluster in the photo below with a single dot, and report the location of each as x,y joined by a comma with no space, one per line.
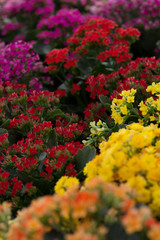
64,183
97,132
131,155
121,107
97,129
154,88
151,107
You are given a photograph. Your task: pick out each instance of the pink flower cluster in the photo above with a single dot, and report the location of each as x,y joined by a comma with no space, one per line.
129,12
60,26
19,62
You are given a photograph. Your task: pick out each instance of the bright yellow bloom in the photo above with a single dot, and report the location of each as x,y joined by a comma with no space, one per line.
64,183
143,108
152,118
124,110
154,88
131,155
117,117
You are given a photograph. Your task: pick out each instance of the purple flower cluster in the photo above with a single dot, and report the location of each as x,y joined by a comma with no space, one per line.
18,63
40,7
129,13
22,13
60,25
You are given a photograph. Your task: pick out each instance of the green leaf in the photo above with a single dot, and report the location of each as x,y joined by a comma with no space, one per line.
115,128
54,235
108,106
40,167
52,141
103,99
41,48
42,156
5,124
23,190
23,176
51,115
84,156
117,230
86,65
3,131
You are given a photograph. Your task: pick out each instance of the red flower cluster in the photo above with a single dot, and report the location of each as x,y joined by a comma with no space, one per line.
95,85
3,139
6,184
129,32
26,156
59,56
70,132
25,110
75,88
94,111
119,52
22,121
41,151
137,74
60,122
60,158
100,34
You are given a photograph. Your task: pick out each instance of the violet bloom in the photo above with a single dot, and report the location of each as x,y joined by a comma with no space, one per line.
133,13
40,7
19,14
60,25
18,62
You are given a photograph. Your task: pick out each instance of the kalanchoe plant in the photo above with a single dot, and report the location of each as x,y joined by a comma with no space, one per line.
143,15
126,108
131,156
22,18
31,167
98,46
138,73
97,211
20,64
98,133
56,29
128,12
5,219
39,143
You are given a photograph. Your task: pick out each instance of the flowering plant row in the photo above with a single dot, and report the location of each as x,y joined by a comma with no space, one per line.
95,211
106,183
98,46
39,143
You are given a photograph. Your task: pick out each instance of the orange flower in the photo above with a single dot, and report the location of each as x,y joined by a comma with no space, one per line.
154,232
127,204
79,235
16,234
150,222
42,206
83,202
132,221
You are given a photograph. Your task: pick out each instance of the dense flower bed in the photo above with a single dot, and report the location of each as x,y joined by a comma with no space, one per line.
79,120
94,212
